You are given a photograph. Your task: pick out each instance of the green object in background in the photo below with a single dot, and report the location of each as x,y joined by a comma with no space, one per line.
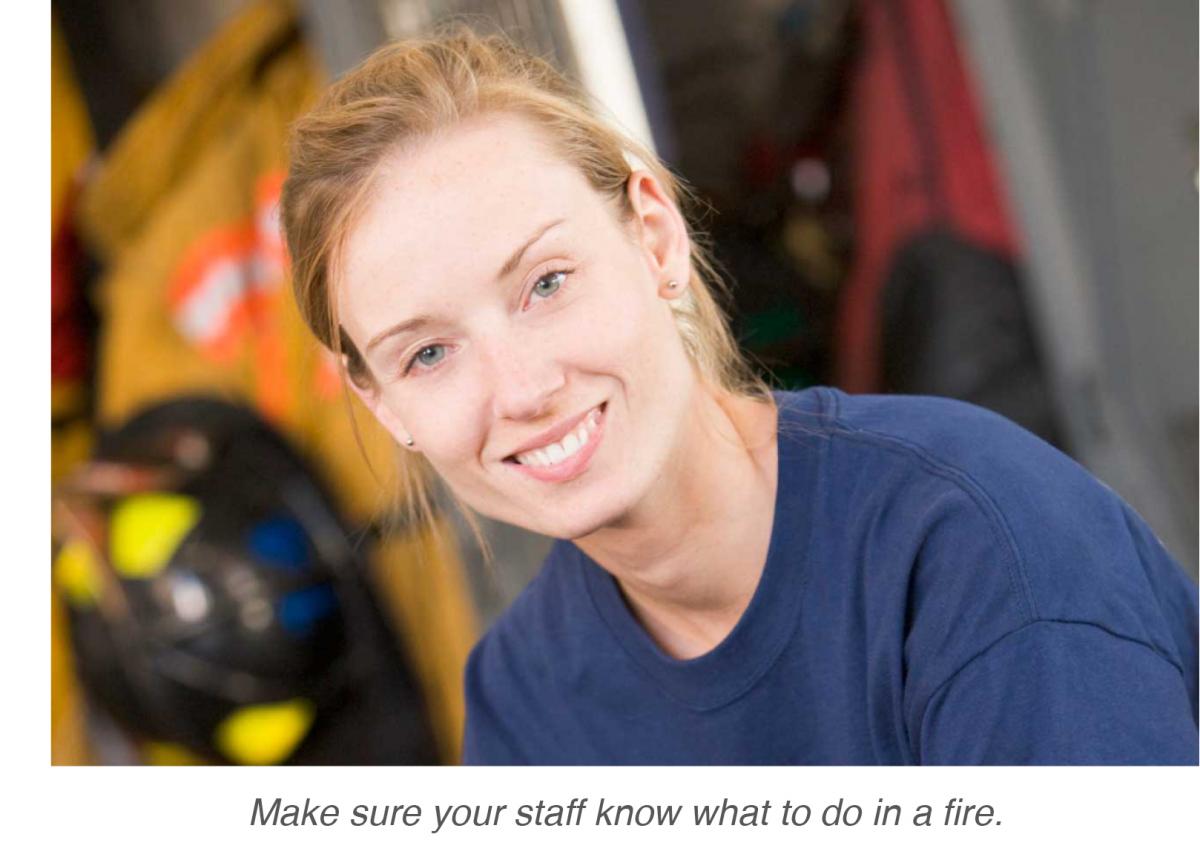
793,378
764,332
770,327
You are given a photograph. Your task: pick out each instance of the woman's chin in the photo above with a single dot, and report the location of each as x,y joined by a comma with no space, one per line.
577,522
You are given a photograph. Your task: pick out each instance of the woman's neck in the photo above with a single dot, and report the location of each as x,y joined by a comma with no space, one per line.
690,556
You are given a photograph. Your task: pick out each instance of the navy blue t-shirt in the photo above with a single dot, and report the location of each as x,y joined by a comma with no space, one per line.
941,588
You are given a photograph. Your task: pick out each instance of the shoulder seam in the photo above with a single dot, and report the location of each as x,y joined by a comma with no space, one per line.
972,488
982,652
835,409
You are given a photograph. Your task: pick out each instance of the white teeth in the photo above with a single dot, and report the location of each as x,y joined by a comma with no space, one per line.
570,444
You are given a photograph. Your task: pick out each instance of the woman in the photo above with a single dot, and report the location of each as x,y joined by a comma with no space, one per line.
740,577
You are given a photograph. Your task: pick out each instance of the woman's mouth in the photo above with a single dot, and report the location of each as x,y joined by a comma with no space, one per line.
568,456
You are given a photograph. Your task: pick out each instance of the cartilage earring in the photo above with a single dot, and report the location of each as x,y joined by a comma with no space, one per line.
410,441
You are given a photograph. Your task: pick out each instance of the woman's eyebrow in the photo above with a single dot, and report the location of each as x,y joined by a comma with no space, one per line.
512,262
399,328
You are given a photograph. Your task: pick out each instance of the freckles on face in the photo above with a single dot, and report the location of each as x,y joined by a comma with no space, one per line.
495,294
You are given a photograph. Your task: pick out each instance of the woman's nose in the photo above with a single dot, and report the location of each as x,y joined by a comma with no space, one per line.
524,380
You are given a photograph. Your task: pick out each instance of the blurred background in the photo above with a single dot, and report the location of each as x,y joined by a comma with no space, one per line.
993,201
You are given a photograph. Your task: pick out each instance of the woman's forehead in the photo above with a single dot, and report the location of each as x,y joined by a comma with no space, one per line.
480,162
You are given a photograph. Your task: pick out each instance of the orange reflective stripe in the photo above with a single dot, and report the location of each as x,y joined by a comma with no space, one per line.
209,286
227,290
225,282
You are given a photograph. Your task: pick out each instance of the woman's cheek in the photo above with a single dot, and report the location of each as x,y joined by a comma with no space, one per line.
614,329
445,413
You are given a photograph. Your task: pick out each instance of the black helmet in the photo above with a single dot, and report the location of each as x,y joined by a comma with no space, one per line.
214,595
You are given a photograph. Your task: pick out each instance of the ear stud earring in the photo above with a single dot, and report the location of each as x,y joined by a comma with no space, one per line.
410,441
672,286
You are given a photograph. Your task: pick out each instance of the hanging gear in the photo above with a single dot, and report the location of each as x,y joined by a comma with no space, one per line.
182,214
216,600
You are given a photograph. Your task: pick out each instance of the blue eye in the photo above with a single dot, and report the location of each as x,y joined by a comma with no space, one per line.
428,356
548,285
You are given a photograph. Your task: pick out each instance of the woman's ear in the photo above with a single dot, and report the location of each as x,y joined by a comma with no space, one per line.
371,398
662,232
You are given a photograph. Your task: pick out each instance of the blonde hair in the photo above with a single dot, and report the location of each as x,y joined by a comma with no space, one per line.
408,91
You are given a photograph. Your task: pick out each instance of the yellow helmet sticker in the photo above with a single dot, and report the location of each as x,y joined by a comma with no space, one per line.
76,570
264,734
146,529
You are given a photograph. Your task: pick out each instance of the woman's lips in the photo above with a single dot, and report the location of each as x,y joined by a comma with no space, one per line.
573,464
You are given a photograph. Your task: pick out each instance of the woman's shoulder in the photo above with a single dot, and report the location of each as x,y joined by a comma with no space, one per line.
1064,545
911,453
1004,532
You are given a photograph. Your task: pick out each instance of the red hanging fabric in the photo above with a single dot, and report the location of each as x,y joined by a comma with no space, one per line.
921,160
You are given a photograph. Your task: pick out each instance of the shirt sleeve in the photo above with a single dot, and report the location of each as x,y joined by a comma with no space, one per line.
1059,693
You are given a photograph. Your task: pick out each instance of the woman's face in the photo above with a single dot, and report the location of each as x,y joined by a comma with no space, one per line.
518,330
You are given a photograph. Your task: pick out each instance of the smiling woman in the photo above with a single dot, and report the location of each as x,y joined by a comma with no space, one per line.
555,332
436,112
740,576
